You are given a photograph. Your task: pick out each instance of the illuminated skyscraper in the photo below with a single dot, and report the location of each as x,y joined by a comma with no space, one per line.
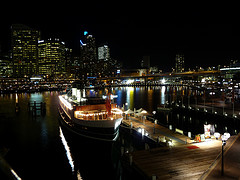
51,55
104,60
24,50
179,63
95,64
103,53
88,55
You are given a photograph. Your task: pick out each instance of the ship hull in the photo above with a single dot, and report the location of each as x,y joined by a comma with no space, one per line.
98,130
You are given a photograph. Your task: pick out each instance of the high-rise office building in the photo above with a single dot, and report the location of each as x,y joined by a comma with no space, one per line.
5,66
88,49
103,53
88,55
179,63
104,60
69,62
51,54
24,50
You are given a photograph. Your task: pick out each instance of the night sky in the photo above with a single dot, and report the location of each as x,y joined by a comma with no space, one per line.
206,35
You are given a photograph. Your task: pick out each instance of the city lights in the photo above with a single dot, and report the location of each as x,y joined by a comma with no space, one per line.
129,81
88,89
163,81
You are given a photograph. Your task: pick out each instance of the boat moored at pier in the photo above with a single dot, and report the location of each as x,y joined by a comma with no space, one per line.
90,117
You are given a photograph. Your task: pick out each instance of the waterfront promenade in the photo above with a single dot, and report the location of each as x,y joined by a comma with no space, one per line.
190,161
161,133
180,162
231,164
183,158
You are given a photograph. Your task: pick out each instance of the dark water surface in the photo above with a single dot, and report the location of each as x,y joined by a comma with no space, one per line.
38,148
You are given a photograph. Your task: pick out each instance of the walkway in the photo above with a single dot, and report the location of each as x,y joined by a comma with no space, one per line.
160,131
184,161
231,164
181,162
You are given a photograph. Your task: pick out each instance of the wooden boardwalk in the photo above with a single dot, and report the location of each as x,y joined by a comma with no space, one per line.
162,133
188,161
181,161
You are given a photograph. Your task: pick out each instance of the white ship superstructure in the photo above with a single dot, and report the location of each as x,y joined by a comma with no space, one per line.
90,117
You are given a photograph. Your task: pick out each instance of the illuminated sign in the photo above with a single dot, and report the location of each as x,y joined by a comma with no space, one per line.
85,33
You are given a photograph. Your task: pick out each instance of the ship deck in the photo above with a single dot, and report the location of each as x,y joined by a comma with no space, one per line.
98,114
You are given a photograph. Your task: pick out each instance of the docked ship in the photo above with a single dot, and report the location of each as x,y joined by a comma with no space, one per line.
90,117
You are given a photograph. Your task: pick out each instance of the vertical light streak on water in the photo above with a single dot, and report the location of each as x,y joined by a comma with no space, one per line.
130,97
15,175
163,94
119,99
68,153
150,98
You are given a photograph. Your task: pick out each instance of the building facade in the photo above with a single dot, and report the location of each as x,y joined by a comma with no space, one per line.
88,56
51,57
179,66
24,44
103,53
5,66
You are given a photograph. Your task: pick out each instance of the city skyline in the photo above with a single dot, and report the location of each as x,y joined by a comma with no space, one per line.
161,34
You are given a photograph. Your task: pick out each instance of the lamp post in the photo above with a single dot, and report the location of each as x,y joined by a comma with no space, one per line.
225,137
126,104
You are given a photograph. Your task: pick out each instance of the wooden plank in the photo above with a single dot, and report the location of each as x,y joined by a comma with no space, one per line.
177,163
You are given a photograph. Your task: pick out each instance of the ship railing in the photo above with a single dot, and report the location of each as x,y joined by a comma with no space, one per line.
98,115
66,109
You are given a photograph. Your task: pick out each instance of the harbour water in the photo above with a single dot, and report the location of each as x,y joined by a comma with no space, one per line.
39,148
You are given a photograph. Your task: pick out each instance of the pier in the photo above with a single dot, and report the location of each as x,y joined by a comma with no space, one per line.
189,161
157,132
177,157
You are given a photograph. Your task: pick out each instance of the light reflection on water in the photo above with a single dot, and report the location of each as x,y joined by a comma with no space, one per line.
139,97
163,90
25,134
68,153
38,97
130,97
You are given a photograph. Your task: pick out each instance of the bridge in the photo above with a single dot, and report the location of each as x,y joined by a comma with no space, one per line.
25,84
166,75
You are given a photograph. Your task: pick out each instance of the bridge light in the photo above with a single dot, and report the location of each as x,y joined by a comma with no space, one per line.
163,81
129,81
